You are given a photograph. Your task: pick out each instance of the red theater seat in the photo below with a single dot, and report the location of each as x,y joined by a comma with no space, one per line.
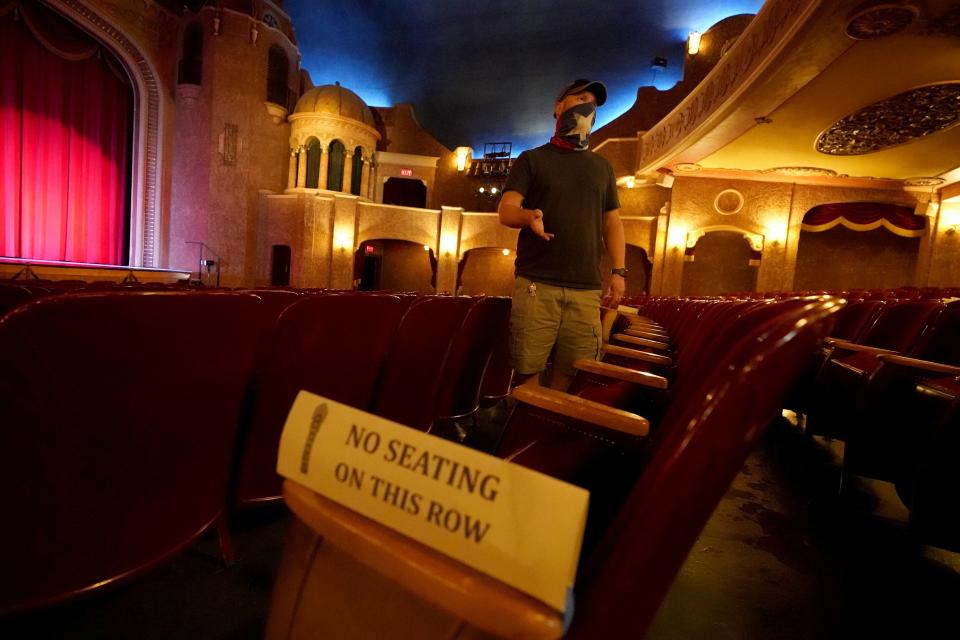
118,413
332,345
413,373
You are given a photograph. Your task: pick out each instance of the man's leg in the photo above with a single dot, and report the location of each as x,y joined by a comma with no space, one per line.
534,324
580,335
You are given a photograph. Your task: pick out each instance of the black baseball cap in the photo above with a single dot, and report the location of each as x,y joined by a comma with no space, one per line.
597,88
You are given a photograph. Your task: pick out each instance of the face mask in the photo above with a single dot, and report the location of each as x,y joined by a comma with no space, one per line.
574,125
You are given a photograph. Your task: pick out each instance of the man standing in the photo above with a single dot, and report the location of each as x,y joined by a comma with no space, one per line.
563,198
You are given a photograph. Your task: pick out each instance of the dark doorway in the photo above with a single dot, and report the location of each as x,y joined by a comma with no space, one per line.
394,265
721,265
405,192
280,266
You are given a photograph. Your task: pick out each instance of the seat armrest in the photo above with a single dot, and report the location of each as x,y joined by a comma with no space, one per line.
480,600
925,365
860,348
649,335
641,342
621,373
581,409
634,354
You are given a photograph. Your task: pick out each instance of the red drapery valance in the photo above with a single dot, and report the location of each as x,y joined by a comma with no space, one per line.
65,117
865,216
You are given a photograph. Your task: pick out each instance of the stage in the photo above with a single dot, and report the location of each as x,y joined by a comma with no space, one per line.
18,269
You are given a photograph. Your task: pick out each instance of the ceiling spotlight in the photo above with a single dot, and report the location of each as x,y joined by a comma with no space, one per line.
493,190
482,190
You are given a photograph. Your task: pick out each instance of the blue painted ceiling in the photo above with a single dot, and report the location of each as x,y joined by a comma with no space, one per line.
488,70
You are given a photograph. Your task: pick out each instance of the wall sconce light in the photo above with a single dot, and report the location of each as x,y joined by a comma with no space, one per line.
776,232
506,252
631,182
448,245
426,247
677,237
693,42
463,157
342,240
950,217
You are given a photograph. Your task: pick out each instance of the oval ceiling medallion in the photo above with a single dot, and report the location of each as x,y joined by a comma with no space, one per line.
801,171
881,20
687,167
728,202
902,118
923,182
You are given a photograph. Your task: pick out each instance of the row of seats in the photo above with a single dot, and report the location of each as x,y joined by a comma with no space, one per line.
718,371
904,293
888,386
132,422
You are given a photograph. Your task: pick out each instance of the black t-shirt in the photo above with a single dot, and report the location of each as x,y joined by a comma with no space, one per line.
573,189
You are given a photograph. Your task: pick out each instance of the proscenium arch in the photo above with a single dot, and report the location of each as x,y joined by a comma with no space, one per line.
146,155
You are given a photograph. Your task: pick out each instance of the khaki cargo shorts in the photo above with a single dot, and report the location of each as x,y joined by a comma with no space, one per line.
545,318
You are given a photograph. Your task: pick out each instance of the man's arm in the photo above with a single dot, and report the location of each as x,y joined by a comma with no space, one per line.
513,215
613,239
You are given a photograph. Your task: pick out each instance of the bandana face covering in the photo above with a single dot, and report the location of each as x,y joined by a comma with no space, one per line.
573,127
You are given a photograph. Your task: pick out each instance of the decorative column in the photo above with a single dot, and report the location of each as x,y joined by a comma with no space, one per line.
347,172
449,246
365,178
292,173
301,167
324,163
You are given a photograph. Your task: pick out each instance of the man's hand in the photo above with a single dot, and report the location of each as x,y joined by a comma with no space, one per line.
536,224
614,293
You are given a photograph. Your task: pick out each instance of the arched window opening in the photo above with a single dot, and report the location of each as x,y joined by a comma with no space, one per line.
313,164
278,67
191,61
335,166
356,173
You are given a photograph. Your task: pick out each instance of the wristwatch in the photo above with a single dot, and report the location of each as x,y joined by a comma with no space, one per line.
622,272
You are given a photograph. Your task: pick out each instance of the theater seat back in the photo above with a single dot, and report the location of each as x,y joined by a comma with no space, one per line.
334,345
118,413
701,445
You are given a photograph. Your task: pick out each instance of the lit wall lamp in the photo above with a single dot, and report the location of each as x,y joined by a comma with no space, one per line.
693,42
463,157
950,216
342,240
776,232
677,237
506,252
448,244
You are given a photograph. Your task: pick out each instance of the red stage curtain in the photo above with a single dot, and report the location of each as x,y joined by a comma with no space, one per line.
865,216
65,116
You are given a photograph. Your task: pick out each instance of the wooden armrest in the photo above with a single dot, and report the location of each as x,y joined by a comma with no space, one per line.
860,348
641,342
625,352
645,333
926,365
628,311
621,373
582,409
480,600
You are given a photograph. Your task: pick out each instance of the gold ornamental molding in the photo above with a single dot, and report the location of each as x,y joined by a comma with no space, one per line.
894,121
769,35
146,152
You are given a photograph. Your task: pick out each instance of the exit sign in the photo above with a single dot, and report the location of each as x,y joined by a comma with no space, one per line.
406,172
